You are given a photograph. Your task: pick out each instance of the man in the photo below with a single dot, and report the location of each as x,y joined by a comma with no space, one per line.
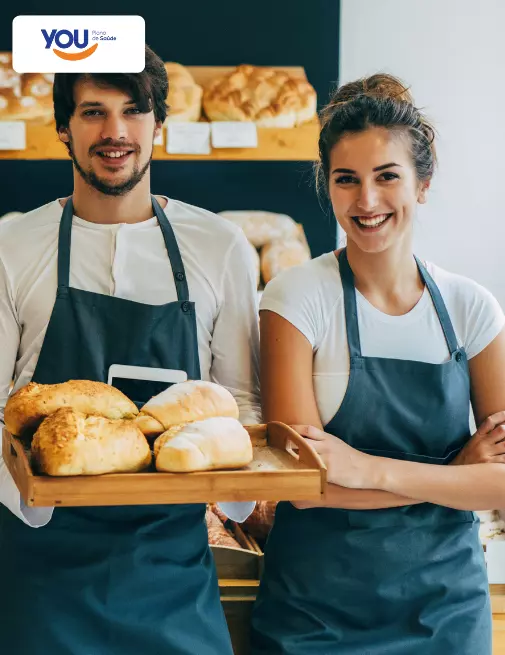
113,275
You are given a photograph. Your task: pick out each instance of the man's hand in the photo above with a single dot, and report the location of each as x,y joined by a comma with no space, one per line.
487,445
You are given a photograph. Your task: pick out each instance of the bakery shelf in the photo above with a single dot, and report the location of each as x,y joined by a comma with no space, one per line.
274,144
277,472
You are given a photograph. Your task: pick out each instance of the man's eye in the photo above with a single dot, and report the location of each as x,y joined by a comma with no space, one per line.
133,110
91,112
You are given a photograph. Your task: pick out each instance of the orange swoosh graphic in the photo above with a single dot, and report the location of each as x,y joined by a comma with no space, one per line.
76,56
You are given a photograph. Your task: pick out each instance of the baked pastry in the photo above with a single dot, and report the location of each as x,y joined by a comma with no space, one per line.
184,94
278,256
218,534
27,407
214,443
262,227
184,402
269,97
39,88
71,443
260,522
9,79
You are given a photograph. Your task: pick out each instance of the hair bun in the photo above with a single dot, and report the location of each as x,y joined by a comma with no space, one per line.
380,85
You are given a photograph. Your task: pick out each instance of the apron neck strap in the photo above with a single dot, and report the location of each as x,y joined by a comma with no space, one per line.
440,308
350,306
174,254
351,311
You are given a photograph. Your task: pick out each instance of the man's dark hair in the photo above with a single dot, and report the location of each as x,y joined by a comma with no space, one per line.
147,89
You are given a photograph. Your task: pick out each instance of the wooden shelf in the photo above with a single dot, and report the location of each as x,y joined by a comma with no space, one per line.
274,144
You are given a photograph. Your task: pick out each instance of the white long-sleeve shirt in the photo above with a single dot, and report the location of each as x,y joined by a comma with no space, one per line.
129,261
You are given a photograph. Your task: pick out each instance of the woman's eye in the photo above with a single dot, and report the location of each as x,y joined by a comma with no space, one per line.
345,179
389,176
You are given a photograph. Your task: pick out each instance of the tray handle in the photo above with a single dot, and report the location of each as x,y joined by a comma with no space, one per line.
17,462
284,437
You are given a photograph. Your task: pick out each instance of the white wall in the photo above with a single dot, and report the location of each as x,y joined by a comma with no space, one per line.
452,53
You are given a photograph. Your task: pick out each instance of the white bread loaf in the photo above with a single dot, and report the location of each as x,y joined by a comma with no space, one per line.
194,400
184,95
278,256
215,443
26,408
262,227
71,443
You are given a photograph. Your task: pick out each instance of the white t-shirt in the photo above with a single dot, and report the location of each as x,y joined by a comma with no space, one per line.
130,261
311,297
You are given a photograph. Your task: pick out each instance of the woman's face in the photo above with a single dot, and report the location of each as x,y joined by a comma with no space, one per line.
374,188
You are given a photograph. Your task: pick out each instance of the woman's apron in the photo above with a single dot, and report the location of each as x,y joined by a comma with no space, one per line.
402,581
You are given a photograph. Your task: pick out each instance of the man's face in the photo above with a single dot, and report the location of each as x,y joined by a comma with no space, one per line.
109,140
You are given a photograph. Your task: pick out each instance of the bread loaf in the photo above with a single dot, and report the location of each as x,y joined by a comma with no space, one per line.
214,443
26,408
194,400
148,425
280,255
70,443
184,95
260,522
269,97
218,534
262,227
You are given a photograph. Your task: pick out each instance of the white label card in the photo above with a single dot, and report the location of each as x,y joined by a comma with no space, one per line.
188,138
234,134
12,135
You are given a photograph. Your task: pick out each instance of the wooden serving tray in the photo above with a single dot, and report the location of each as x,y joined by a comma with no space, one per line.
276,473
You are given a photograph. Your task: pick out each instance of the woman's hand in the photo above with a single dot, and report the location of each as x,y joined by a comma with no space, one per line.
345,465
487,445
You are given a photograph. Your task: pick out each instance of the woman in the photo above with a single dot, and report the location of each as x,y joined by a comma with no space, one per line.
387,353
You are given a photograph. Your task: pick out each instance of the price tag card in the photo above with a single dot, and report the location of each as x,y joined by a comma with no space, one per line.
234,134
188,138
12,135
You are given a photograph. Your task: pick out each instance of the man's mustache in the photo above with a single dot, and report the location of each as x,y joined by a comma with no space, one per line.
118,145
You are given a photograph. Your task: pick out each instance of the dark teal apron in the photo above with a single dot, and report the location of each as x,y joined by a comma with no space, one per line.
114,580
400,581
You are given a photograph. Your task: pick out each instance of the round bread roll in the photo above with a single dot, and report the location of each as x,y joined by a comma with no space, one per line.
193,400
39,88
184,95
148,425
278,256
262,227
71,443
269,97
26,408
9,79
215,443
21,108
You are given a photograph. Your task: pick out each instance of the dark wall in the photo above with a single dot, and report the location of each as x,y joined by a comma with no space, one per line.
198,32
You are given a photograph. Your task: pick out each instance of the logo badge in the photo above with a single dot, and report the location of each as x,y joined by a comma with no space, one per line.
78,44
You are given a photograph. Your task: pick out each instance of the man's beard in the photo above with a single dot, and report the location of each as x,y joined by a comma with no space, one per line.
106,187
